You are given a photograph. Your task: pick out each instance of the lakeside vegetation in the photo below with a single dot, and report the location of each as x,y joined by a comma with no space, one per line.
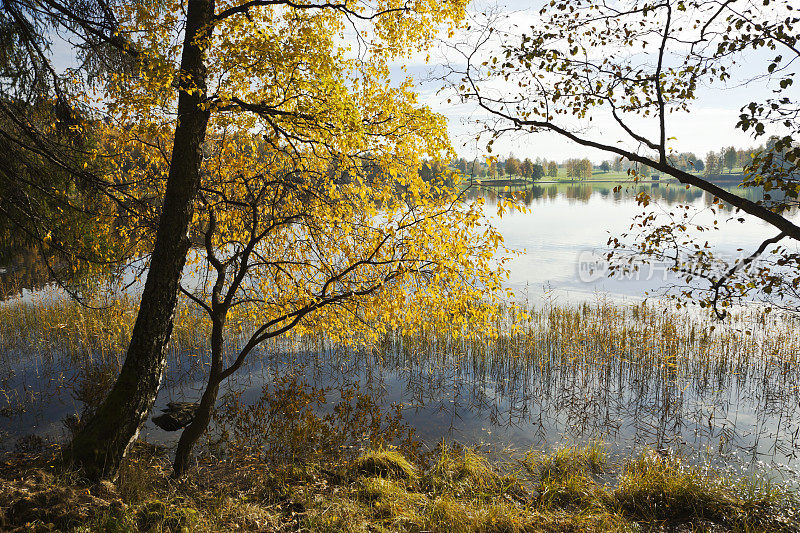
57,332
302,469
451,489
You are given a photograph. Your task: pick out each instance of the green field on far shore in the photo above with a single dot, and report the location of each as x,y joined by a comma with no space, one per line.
598,176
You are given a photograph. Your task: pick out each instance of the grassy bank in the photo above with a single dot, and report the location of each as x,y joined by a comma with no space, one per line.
450,490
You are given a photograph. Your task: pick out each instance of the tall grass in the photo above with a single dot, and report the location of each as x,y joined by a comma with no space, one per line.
649,335
581,365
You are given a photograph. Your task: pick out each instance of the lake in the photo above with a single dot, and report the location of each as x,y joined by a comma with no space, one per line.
568,225
718,393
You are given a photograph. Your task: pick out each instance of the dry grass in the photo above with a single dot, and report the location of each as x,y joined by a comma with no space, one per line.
457,490
384,463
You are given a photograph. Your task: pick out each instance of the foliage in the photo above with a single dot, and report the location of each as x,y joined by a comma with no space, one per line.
578,168
713,164
311,211
512,166
699,165
285,425
537,171
526,168
730,157
55,197
46,206
285,248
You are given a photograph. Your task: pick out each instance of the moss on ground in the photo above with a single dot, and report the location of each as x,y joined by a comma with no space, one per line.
455,490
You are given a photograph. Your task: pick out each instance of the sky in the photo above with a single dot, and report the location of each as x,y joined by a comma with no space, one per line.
710,124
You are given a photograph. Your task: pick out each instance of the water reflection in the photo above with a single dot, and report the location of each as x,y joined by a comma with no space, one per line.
633,377
577,192
21,269
563,221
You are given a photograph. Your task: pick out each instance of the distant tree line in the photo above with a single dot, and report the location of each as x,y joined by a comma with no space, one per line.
511,167
728,158
715,163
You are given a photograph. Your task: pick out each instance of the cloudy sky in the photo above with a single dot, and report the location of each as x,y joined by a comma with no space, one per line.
709,126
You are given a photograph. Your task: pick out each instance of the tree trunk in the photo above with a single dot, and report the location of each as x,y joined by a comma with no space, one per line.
202,417
196,429
103,442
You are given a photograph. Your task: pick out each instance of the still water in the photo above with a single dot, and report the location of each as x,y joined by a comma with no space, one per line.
746,410
568,225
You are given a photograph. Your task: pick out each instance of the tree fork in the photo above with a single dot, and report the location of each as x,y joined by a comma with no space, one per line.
99,447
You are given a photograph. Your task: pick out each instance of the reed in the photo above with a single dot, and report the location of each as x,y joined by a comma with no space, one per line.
574,361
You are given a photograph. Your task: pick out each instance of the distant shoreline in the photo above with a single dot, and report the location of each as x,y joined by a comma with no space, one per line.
731,179
501,183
